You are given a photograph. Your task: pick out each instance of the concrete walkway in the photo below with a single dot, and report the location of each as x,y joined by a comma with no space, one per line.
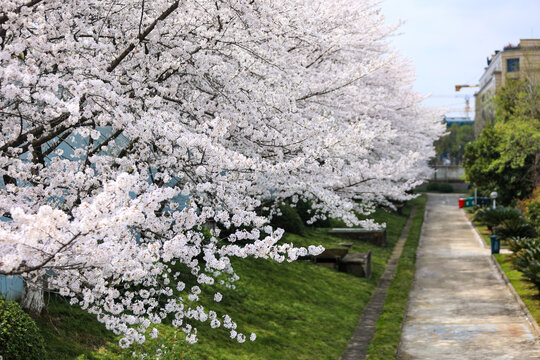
460,307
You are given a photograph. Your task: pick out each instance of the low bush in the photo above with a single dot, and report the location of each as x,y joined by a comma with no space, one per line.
531,208
516,244
515,227
494,217
527,259
445,188
440,187
475,208
19,334
305,211
288,220
533,213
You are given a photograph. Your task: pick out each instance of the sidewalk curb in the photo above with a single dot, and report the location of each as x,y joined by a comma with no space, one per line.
533,325
535,329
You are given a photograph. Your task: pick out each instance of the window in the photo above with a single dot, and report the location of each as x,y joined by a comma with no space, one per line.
512,65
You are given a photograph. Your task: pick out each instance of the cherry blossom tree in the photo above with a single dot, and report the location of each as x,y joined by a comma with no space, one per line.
133,131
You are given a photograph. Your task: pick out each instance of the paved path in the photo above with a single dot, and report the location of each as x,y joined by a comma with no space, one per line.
460,307
357,348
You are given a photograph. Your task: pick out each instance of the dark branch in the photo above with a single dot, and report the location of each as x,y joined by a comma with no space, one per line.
26,269
142,36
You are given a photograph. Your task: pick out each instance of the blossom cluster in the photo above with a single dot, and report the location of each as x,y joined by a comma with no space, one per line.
141,141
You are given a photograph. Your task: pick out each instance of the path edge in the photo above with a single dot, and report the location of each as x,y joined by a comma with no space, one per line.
535,329
420,241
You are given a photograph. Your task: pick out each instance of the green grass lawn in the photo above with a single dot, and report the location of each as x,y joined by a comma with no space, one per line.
298,310
526,291
384,344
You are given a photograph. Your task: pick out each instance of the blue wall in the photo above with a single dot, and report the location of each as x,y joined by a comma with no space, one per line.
11,287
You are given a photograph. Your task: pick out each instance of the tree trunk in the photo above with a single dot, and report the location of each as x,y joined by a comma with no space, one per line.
33,300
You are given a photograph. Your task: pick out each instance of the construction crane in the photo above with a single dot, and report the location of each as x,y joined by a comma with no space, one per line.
466,97
459,87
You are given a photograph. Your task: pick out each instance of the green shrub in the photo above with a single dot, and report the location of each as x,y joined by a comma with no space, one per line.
516,244
289,220
19,334
304,210
336,223
475,208
515,227
494,217
446,188
440,187
533,213
527,259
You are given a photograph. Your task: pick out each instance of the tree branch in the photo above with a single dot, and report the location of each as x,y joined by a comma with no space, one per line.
142,36
24,269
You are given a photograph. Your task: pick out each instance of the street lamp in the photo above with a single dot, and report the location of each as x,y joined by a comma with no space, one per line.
493,195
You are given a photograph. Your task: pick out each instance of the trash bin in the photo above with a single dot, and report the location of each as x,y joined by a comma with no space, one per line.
495,244
461,202
469,202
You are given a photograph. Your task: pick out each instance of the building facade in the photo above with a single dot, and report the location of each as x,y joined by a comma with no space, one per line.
513,61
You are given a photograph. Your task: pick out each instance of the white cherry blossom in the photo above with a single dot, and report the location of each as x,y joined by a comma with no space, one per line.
141,141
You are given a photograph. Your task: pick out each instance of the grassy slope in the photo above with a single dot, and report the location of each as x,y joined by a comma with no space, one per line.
69,331
298,310
526,291
388,328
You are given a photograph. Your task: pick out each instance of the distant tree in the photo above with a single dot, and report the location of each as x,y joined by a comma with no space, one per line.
506,156
518,99
452,146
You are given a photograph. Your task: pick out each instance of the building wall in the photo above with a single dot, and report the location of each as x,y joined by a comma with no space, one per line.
489,82
496,73
11,287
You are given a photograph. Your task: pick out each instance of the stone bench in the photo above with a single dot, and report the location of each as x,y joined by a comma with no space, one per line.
357,264
375,237
399,207
331,257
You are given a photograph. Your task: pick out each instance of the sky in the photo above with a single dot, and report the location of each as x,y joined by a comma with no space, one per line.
448,41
